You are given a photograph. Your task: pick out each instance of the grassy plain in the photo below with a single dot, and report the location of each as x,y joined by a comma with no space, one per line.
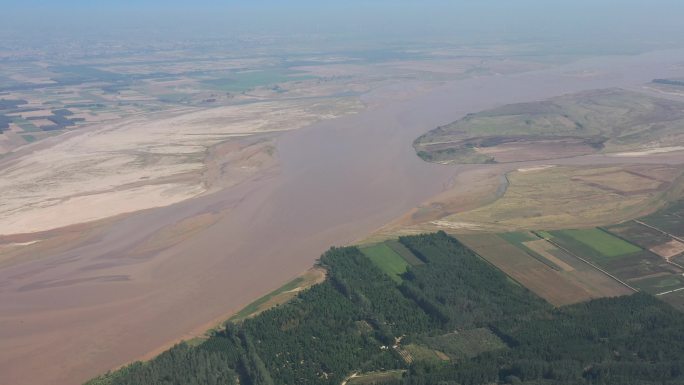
566,197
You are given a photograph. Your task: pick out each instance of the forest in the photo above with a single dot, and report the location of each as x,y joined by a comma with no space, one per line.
360,320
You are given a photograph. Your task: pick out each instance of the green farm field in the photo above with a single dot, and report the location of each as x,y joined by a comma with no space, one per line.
385,258
600,245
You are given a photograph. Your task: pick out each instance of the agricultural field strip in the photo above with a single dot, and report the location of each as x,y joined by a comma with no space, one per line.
659,230
593,265
668,260
538,247
529,272
601,241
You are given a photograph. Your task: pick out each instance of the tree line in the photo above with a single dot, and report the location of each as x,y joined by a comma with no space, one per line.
350,322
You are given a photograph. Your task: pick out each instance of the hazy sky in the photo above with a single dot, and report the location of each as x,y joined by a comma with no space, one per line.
590,20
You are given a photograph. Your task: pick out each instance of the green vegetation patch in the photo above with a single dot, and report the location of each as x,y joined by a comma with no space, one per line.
519,237
387,260
602,243
29,138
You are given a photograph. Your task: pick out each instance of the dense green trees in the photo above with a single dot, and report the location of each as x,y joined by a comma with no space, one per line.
459,288
348,324
182,365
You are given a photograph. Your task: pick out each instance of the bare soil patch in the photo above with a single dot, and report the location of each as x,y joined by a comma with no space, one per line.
669,249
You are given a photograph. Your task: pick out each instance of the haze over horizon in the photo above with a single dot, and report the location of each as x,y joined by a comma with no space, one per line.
603,24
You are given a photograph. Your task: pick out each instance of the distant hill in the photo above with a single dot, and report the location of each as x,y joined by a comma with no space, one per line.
606,120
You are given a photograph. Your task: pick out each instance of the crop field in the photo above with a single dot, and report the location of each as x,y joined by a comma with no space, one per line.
634,267
557,287
601,246
669,220
538,248
549,252
404,252
670,249
467,343
389,261
561,274
642,269
639,235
